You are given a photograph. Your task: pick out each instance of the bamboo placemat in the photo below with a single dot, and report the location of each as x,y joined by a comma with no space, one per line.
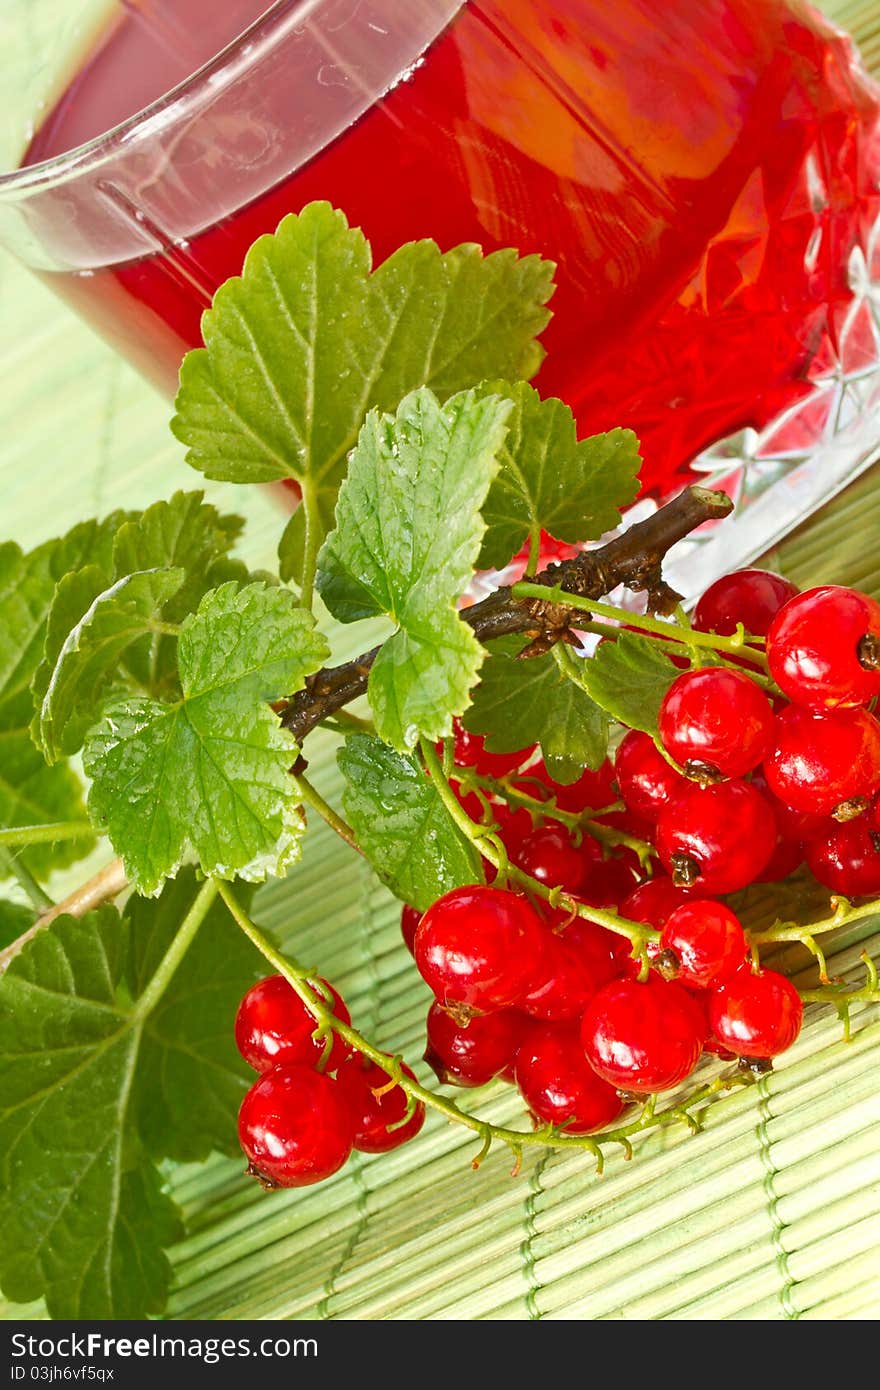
773,1212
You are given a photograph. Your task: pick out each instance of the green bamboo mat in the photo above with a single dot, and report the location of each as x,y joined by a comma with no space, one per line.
773,1212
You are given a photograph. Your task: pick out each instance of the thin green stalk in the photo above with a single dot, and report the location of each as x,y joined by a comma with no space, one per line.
299,980
163,629
312,797
534,550
488,846
311,543
842,915
176,951
737,645
47,834
14,868
344,722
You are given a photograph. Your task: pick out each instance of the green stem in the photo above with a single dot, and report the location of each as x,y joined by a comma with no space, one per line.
312,797
534,550
14,868
311,543
345,723
46,834
487,845
299,980
737,645
164,629
843,914
547,809
186,933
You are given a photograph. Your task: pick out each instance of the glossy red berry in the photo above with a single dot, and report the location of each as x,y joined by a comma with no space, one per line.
716,839
791,823
409,921
642,1037
647,782
470,751
847,859
591,792
567,982
716,723
820,761
756,1015
752,597
605,952
824,648
702,944
475,1054
558,1084
654,902
608,882
786,857
295,1127
479,949
378,1105
549,855
273,1025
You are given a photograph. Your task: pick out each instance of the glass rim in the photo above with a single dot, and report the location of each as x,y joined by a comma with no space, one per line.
217,73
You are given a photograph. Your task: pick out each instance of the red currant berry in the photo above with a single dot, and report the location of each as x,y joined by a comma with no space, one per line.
605,952
791,823
717,722
716,839
477,1053
847,859
591,792
610,880
273,1025
549,855
756,1015
824,648
558,1084
819,762
514,824
653,902
702,944
646,780
378,1105
471,751
786,857
642,1037
295,1127
409,921
751,597
568,981
479,949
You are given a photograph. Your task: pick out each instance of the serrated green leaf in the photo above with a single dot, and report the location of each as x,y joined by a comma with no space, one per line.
628,677
208,775
27,589
307,341
33,794
403,828
14,919
83,1219
408,532
518,703
191,1076
94,1088
87,663
549,480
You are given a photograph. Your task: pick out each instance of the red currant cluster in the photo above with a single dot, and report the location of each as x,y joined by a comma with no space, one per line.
317,1098
749,776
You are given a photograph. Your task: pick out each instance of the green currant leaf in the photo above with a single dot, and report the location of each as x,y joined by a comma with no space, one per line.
83,1219
27,590
208,774
307,341
191,1076
402,826
33,794
628,677
87,663
98,1081
407,535
518,703
548,480
14,919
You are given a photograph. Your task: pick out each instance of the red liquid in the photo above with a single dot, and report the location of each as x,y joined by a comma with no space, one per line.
699,170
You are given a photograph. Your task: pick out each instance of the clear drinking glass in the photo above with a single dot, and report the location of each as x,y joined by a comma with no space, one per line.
705,173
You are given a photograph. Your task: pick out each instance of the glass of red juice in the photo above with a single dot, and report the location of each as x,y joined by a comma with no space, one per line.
705,174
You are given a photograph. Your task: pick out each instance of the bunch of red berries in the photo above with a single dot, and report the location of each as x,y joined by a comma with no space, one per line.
317,1098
